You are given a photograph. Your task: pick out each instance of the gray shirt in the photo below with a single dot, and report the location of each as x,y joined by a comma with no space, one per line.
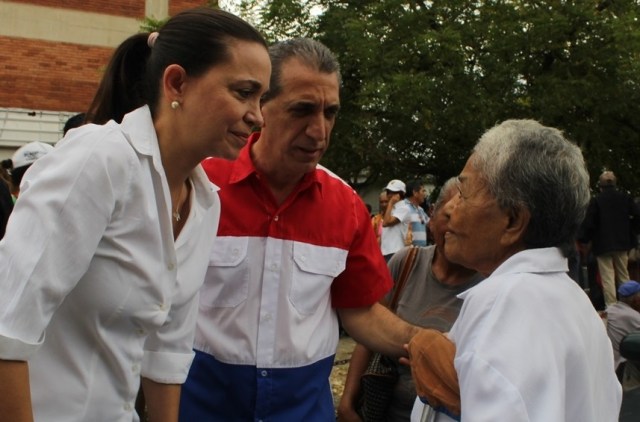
622,319
426,302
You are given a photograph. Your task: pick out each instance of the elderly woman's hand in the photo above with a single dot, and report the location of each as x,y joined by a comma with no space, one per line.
431,354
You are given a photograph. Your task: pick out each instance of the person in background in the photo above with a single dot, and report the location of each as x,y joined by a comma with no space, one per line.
73,122
428,300
527,345
406,219
623,317
376,220
6,199
611,225
393,237
267,330
22,159
109,242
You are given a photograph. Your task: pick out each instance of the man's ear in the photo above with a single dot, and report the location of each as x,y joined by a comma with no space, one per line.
174,81
518,221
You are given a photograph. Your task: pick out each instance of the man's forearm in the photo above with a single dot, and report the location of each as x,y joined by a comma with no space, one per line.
378,329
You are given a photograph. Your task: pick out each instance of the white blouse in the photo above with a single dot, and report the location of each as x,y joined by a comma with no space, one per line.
95,292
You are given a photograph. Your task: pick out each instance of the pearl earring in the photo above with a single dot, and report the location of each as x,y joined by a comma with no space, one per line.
175,104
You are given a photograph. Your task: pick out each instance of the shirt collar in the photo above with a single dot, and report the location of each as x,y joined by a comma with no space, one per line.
139,130
538,260
138,127
244,167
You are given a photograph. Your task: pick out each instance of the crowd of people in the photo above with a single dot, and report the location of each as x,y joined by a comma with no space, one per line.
183,265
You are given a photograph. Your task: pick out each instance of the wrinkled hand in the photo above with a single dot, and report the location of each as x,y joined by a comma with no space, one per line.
431,354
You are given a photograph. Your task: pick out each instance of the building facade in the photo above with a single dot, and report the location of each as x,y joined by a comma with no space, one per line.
52,55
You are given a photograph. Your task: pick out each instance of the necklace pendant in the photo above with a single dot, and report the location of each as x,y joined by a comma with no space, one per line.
176,215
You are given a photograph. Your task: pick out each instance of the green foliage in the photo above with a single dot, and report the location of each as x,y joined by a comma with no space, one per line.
150,24
423,79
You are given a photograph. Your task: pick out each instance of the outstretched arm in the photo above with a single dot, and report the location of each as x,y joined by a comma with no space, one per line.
378,329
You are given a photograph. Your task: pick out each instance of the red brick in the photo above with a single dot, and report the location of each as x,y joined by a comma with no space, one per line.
126,8
50,75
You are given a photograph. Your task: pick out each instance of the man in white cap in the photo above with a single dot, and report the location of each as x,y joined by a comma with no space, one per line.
394,233
23,158
623,317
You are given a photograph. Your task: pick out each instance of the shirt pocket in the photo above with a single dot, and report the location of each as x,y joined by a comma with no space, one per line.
227,281
314,269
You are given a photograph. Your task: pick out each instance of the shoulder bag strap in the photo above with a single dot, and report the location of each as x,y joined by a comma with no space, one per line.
404,275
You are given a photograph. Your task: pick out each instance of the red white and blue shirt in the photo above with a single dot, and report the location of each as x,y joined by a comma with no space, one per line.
267,329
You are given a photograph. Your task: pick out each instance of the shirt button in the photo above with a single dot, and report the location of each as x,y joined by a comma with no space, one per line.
276,218
140,331
170,266
135,368
264,373
274,267
162,307
267,317
128,407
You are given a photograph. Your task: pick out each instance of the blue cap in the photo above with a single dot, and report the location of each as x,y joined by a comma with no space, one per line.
629,288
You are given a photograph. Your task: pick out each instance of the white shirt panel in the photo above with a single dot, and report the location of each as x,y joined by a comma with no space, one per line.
271,300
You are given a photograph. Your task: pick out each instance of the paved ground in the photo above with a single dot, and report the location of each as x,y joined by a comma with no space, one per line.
341,366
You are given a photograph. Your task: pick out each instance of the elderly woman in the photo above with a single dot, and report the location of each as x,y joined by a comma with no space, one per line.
529,345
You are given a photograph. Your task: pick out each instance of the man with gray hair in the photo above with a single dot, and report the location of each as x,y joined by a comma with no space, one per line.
296,250
610,225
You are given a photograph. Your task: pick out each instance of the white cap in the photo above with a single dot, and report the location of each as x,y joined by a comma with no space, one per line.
396,186
29,153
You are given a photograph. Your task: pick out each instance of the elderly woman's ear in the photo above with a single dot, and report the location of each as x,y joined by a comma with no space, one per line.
516,229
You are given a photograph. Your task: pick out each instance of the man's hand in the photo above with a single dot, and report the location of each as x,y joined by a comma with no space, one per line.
393,198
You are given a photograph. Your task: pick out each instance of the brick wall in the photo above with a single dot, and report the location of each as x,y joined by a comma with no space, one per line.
177,5
58,76
125,8
49,76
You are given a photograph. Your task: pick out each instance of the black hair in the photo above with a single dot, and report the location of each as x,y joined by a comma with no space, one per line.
73,122
413,186
196,39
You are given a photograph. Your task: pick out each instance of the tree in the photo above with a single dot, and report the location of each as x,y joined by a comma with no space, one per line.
423,79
